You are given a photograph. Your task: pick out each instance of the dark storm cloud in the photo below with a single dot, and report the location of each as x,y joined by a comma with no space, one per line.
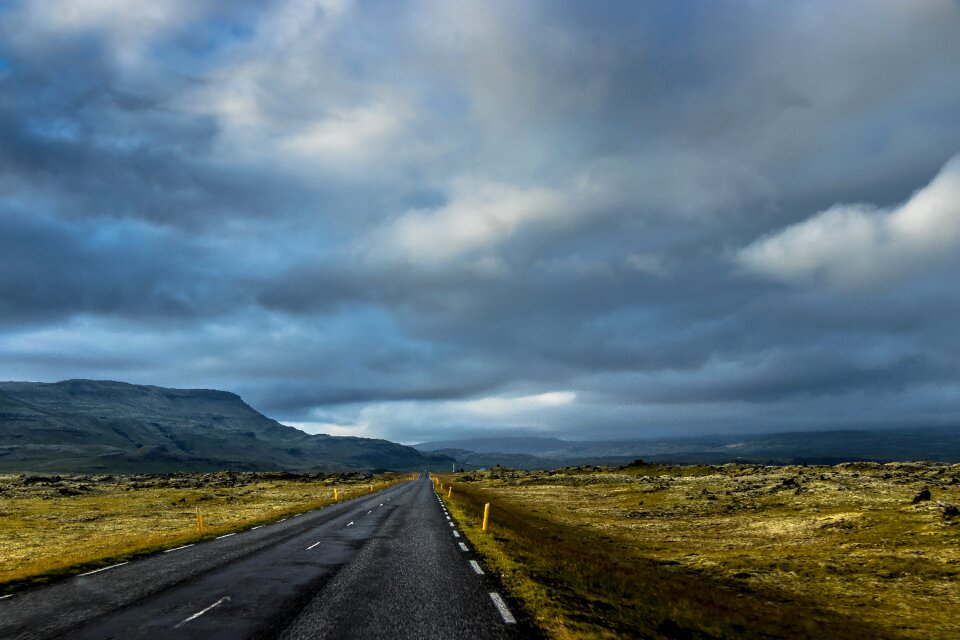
51,269
410,219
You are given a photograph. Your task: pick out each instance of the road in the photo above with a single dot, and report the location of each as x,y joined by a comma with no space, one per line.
387,565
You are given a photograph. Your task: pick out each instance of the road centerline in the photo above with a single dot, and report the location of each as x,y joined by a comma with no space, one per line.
200,613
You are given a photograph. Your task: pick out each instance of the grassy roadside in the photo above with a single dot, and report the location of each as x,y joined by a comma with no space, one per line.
57,526
569,547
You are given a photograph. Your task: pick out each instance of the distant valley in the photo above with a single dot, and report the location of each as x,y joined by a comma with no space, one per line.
937,444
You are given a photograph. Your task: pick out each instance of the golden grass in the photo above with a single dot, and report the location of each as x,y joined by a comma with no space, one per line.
71,524
725,551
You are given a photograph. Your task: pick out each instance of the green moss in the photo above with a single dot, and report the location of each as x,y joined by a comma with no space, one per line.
722,552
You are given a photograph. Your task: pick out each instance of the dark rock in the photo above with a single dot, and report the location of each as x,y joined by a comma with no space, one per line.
922,496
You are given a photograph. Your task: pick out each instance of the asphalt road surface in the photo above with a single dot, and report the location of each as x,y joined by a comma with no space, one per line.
388,565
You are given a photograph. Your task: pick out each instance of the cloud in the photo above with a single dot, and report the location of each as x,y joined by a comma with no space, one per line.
478,217
128,30
360,430
509,406
648,263
863,245
353,135
419,219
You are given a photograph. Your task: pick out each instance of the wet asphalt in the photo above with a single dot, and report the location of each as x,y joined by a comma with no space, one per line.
386,565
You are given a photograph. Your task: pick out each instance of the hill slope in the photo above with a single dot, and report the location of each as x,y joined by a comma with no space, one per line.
89,426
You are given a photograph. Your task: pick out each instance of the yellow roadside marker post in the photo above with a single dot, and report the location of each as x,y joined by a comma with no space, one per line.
449,491
336,495
486,515
199,521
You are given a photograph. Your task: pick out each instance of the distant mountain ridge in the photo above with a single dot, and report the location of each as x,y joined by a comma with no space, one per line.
112,427
936,444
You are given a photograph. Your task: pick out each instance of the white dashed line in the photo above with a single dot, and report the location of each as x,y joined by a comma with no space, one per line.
502,608
369,512
312,546
451,524
456,534
476,567
350,523
9,595
448,517
381,504
226,535
200,613
463,547
281,519
113,566
178,548
297,515
256,527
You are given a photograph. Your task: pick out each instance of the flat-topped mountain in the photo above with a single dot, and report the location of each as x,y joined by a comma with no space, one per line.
93,425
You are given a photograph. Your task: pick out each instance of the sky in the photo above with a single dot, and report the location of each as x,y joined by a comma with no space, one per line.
437,219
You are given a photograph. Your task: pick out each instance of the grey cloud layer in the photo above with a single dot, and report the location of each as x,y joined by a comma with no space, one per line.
417,218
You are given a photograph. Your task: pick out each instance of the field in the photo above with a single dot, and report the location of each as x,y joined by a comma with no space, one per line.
849,551
60,525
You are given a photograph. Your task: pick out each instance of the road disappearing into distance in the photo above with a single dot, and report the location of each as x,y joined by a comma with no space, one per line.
386,565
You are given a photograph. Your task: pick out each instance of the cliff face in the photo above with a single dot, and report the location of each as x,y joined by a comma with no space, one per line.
103,426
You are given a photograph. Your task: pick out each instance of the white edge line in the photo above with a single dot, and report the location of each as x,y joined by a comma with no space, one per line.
312,546
9,595
463,547
120,564
476,567
502,608
281,519
226,535
200,613
451,524
456,534
256,527
178,548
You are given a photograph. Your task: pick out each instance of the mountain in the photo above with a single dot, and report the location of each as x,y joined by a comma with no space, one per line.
939,444
113,427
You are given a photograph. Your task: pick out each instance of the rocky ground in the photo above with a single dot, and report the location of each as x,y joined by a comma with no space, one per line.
52,486
876,542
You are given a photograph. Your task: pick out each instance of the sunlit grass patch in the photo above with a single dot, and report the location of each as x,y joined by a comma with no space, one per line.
63,525
736,551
